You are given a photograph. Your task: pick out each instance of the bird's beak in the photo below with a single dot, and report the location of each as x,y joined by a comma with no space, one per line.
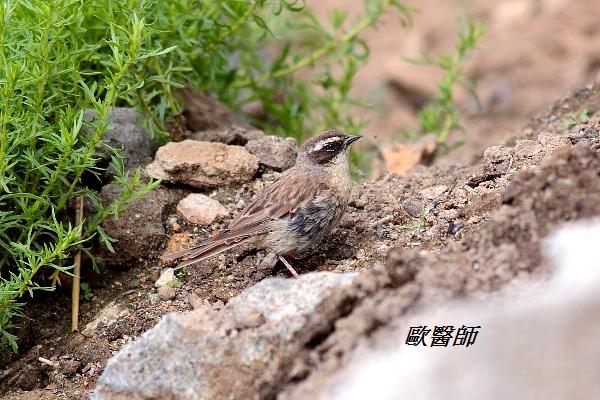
351,139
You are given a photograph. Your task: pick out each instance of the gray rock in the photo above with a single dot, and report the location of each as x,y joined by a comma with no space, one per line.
200,209
139,230
203,164
232,353
273,151
125,133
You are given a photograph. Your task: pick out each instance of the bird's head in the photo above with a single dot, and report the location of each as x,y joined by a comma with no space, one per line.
327,148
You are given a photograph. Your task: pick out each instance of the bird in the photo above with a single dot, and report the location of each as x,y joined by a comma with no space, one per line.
293,214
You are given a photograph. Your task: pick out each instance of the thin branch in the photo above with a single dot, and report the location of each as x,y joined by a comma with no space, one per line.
317,54
76,273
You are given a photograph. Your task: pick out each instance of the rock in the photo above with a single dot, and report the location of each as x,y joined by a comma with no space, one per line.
166,276
200,209
203,164
139,229
107,316
153,298
197,302
231,135
232,353
69,367
274,151
497,160
202,111
125,133
413,207
167,292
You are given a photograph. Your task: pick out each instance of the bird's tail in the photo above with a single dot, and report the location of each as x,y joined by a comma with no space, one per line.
208,248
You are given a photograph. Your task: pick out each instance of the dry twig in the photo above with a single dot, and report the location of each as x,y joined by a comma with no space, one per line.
76,273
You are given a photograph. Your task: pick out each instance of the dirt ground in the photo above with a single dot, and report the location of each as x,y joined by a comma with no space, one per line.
453,230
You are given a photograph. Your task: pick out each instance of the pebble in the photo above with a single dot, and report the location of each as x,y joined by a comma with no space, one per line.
167,292
166,276
153,297
200,209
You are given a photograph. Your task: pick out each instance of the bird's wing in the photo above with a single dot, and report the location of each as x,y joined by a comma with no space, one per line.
282,198
291,191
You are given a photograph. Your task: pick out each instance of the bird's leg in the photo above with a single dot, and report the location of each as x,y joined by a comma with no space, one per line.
289,267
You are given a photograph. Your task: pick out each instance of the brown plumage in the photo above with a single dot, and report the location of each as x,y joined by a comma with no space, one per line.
296,211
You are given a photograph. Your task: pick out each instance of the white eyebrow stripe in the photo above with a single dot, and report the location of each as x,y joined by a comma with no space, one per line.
325,142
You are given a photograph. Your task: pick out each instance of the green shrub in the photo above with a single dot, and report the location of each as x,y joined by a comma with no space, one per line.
59,58
442,116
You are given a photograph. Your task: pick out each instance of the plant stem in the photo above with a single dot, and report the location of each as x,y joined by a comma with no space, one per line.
233,28
76,273
318,53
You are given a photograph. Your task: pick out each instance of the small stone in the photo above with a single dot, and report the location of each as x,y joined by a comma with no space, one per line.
273,151
413,207
105,318
200,209
174,224
203,164
69,367
217,305
433,192
400,158
167,275
178,241
153,298
196,301
167,292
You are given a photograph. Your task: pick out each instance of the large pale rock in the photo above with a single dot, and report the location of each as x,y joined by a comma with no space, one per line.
200,209
203,164
232,353
274,152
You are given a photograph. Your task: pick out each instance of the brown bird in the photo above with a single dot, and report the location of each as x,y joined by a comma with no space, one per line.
296,212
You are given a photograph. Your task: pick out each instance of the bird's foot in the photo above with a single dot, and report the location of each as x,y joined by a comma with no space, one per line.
289,267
